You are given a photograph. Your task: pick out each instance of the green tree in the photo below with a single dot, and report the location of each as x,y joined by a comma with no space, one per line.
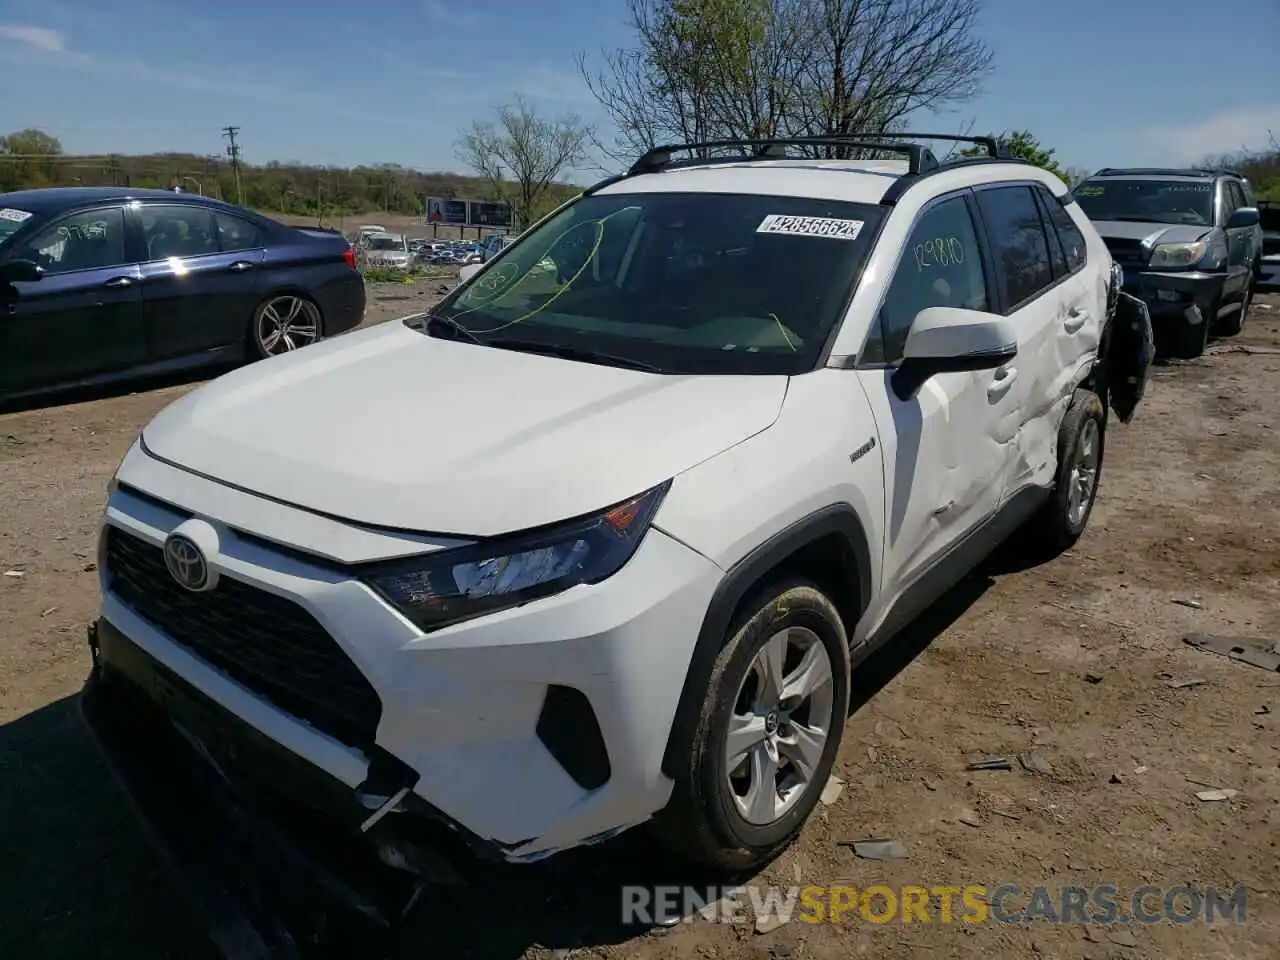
520,155
28,159
1024,146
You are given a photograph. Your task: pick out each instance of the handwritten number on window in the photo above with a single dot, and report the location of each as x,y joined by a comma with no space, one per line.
939,252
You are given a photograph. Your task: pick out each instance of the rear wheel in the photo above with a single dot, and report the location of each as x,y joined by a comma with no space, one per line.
284,322
1081,444
768,734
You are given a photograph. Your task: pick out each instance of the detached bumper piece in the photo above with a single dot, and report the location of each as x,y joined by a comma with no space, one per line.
284,860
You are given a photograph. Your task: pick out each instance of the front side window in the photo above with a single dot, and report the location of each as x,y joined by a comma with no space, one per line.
683,282
1069,235
177,231
1018,242
941,266
90,240
1147,200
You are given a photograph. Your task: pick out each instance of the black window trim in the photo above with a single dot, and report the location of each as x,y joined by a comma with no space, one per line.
966,194
1008,310
38,228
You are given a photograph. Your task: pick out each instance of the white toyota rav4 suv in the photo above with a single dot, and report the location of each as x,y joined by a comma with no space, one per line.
599,540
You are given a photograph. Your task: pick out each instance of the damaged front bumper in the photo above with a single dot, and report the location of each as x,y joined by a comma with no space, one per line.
277,853
1184,296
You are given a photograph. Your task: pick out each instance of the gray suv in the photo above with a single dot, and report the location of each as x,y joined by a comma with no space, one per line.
1188,242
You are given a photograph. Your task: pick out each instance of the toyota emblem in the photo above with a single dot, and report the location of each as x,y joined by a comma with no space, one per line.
186,563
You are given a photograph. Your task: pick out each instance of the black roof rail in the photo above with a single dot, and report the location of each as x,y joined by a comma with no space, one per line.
659,158
1223,171
1155,172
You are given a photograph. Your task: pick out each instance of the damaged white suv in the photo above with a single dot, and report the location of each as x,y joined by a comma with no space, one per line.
599,540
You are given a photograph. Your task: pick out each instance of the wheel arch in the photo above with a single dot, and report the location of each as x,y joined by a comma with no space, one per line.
829,547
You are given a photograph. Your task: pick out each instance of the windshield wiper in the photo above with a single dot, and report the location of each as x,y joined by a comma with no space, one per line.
453,325
573,353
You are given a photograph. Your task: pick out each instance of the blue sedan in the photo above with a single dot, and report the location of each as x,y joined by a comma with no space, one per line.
106,282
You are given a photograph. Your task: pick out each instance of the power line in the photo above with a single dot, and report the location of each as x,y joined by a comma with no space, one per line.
233,151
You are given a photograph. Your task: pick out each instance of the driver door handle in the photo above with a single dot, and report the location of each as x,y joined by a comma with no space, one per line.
119,283
240,266
1076,318
1001,382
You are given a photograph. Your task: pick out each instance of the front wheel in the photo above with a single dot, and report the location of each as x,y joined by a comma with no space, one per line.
1081,444
284,322
768,734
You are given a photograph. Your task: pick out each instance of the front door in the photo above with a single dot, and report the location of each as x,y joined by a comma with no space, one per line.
83,318
1239,242
944,466
200,278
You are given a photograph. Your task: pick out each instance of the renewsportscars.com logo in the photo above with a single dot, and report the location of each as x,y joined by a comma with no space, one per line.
970,904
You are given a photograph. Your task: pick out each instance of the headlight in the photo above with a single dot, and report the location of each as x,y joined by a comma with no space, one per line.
1178,255
456,585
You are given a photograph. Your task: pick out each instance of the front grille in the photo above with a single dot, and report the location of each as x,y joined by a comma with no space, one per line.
1127,253
266,643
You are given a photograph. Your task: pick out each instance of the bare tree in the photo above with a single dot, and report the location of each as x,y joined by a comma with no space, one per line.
520,154
713,69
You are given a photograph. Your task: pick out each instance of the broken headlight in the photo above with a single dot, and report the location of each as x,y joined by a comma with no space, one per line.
455,585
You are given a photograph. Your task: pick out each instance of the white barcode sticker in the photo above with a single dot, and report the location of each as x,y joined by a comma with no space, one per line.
17,216
829,227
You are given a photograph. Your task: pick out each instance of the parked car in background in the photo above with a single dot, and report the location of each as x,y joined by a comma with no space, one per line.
1269,265
495,245
98,283
1188,240
775,414
386,251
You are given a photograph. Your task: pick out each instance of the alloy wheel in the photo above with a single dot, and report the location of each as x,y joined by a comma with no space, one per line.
780,725
287,323
1084,472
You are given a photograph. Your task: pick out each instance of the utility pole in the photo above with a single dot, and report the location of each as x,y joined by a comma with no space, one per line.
233,151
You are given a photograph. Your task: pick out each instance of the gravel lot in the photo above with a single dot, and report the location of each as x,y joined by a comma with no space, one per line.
1081,659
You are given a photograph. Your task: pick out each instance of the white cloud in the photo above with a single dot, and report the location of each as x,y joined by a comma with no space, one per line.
41,38
453,14
1244,128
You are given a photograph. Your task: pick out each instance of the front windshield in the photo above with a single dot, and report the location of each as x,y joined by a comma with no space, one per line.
11,221
1148,201
683,282
386,243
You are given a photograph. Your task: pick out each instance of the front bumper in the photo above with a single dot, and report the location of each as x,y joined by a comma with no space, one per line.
477,713
1186,296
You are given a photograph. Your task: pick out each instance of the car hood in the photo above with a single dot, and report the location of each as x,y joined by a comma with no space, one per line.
392,428
1150,233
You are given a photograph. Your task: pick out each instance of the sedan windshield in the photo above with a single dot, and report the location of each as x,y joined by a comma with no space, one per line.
387,243
676,282
1148,200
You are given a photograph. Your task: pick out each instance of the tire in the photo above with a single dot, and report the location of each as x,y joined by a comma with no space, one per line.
710,820
1081,446
1189,340
1230,326
302,323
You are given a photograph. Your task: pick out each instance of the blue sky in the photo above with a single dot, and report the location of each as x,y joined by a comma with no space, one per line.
341,82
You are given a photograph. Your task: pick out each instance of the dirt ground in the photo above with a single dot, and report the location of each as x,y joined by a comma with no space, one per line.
1081,659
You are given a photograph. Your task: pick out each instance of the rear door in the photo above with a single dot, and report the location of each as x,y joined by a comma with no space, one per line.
83,318
200,277
1046,303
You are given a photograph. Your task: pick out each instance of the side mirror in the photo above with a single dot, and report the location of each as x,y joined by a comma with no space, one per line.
1244,217
20,271
952,340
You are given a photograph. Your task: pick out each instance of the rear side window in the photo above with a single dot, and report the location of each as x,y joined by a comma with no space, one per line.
941,266
177,231
236,234
1018,242
1064,230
